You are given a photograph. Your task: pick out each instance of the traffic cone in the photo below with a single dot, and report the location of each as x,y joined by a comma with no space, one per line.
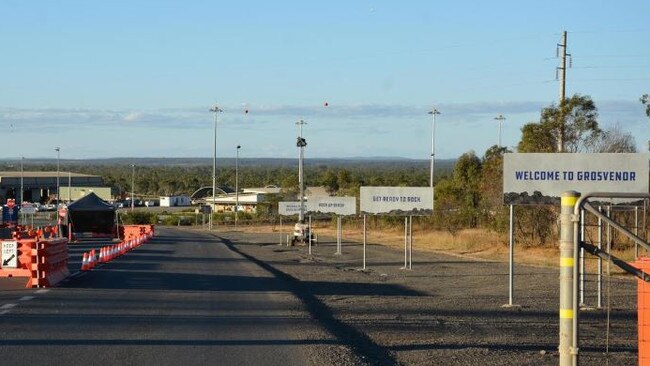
84,262
91,259
102,255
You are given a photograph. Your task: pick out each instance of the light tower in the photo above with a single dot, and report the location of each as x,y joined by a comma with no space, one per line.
58,168
500,118
132,186
301,143
433,113
237,184
216,110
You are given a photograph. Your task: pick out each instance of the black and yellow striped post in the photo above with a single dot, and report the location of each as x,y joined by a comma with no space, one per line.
567,264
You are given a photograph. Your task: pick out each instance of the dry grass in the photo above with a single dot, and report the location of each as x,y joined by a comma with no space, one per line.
478,244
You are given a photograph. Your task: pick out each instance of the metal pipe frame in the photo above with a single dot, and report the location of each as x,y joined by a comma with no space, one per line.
583,203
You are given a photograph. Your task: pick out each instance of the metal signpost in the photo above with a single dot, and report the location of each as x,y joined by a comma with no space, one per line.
399,201
364,242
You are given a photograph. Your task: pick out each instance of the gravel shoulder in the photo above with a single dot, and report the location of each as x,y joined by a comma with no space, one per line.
447,309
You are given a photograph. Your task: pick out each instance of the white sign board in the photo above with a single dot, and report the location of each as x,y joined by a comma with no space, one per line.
27,208
541,178
289,208
402,201
9,254
333,205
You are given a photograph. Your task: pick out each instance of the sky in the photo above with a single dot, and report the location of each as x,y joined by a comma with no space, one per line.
118,78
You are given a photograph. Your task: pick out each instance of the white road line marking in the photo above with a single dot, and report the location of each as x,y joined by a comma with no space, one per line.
42,291
7,306
26,298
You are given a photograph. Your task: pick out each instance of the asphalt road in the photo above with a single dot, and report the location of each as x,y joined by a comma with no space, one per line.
234,298
183,298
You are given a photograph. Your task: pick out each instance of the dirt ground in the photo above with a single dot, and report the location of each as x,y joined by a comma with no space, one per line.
446,310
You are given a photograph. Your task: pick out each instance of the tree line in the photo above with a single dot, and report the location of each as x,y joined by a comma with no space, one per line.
468,192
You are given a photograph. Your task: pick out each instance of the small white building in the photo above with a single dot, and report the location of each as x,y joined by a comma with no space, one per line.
175,201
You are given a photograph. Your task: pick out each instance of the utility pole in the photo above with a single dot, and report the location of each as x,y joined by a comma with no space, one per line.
562,47
301,155
500,118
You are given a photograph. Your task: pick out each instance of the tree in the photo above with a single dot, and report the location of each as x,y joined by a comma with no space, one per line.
645,99
536,138
614,140
491,188
460,194
567,127
329,180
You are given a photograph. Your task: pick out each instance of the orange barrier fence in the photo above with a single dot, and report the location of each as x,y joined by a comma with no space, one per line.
51,263
134,236
643,310
133,231
43,261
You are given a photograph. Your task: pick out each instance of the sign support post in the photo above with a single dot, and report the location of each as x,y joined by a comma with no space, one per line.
582,259
406,228
338,235
364,242
410,242
511,260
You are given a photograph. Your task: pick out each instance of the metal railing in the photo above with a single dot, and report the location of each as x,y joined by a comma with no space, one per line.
572,205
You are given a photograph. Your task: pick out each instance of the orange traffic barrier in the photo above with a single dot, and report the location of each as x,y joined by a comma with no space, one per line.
50,262
643,316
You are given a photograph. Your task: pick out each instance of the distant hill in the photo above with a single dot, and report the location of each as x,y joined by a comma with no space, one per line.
445,164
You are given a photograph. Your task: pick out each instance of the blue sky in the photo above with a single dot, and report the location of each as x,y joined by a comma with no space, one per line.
127,78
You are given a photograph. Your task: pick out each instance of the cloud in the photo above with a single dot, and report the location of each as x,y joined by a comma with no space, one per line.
234,116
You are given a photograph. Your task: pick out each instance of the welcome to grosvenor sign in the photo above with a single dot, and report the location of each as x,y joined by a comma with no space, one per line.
541,178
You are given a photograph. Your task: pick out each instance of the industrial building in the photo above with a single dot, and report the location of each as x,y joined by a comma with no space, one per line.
41,187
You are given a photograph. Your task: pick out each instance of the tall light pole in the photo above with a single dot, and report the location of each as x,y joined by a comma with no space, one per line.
216,110
132,186
433,113
237,184
500,118
22,176
58,167
301,155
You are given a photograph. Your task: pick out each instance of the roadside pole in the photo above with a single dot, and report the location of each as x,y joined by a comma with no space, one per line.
410,242
511,259
599,301
364,242
583,266
406,230
567,267
511,255
281,228
338,235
